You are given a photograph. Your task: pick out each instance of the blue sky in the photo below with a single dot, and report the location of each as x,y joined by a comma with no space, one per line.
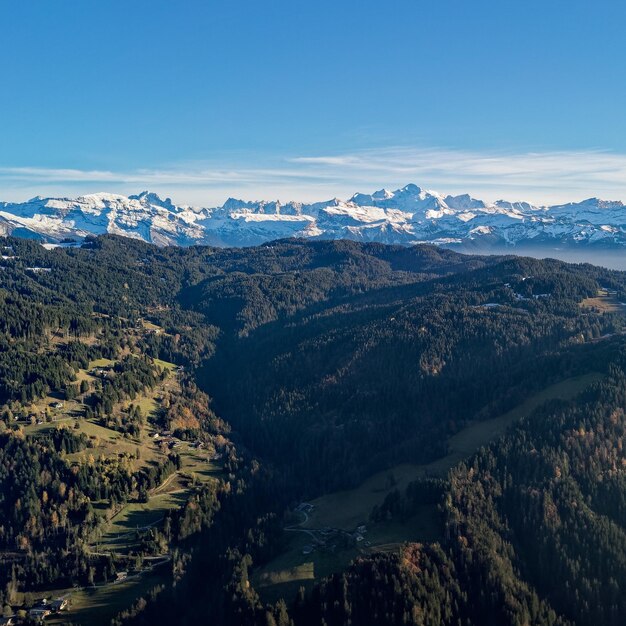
200,100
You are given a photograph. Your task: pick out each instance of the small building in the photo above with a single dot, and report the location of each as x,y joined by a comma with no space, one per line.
121,576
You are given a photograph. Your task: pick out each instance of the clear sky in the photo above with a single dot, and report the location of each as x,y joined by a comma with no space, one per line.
202,99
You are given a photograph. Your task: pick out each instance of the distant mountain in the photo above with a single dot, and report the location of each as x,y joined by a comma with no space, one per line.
406,216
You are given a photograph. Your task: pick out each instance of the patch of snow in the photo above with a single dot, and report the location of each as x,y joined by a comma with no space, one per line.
407,216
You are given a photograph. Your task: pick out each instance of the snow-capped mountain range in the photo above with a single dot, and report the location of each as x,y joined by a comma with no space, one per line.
405,216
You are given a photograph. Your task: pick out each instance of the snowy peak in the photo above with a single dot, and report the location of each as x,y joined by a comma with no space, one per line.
234,205
597,203
407,215
463,202
591,204
382,194
410,199
147,198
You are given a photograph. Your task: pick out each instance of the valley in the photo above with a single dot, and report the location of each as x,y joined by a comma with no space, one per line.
244,432
332,521
251,374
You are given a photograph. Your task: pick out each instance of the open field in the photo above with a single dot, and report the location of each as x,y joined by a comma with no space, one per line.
467,441
84,375
97,606
195,463
47,406
303,571
172,494
292,569
110,443
165,364
285,576
151,326
101,363
146,402
604,302
120,533
70,408
35,429
348,509
117,534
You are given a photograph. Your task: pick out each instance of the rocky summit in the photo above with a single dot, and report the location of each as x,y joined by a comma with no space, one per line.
406,216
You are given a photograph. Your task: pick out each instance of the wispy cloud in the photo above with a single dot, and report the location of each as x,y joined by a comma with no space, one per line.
559,173
541,177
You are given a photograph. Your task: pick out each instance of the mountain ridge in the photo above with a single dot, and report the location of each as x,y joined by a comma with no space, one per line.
405,216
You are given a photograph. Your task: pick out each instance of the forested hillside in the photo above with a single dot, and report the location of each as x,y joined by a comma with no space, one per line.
395,370
176,426
534,529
